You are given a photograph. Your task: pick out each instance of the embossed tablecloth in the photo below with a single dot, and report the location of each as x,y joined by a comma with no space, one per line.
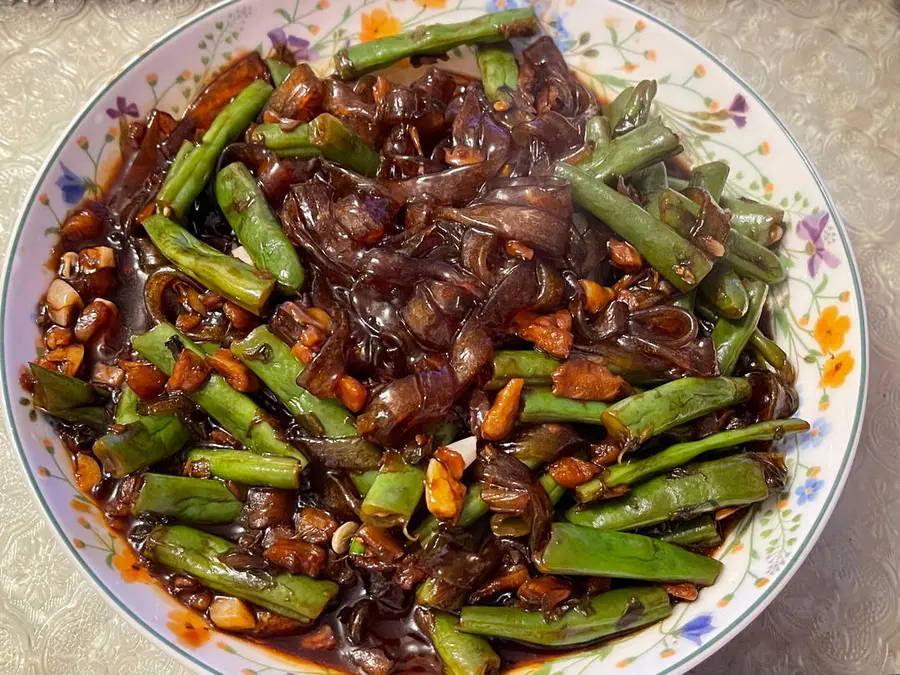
830,69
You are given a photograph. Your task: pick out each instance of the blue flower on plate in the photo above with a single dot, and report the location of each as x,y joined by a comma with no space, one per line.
818,430
560,34
696,628
123,108
500,5
72,186
807,491
296,45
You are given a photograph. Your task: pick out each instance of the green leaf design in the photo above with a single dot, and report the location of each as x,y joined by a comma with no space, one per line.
822,285
664,79
786,513
590,53
765,534
346,13
584,38
284,15
613,36
219,25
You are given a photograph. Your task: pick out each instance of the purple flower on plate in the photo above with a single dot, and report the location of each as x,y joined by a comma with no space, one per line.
297,46
123,108
72,186
738,110
811,228
807,491
696,628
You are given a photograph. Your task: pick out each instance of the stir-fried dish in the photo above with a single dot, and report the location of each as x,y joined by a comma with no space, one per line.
402,377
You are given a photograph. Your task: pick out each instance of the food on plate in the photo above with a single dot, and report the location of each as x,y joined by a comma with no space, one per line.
401,377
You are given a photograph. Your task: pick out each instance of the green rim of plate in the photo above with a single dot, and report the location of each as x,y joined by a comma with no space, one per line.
725,634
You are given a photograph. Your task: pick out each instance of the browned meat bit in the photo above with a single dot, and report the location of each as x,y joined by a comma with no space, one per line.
550,332
57,336
198,601
352,393
683,591
519,250
266,507
235,373
63,303
596,297
189,373
145,379
298,98
605,453
297,556
513,573
87,472
119,505
303,353
444,491
107,376
545,593
570,472
595,585
97,271
500,419
371,661
65,360
99,319
624,256
82,224
239,317
222,437
270,624
314,525
410,572
321,639
380,544
188,322
588,380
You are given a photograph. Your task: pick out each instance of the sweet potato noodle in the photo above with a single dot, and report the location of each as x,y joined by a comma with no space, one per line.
263,340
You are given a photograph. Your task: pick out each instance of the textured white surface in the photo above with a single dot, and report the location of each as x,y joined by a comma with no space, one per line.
830,69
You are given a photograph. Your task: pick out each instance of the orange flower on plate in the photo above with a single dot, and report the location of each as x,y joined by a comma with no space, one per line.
191,629
761,582
764,148
431,4
830,329
650,55
78,505
667,653
77,543
314,29
640,25
844,296
737,548
130,568
700,70
837,367
630,67
378,23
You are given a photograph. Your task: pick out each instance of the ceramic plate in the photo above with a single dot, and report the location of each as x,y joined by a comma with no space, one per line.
819,315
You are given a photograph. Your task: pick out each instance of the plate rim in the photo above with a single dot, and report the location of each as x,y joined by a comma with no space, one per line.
706,650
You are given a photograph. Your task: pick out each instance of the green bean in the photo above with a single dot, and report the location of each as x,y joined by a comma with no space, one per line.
730,337
699,533
236,412
542,405
723,289
685,300
530,365
193,500
257,228
200,555
772,354
339,143
145,440
635,419
65,397
634,471
762,223
749,259
610,613
461,654
499,70
693,490
278,69
631,108
646,145
710,177
274,471
223,274
573,549
651,180
675,258
433,40
294,143
394,495
272,361
187,176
